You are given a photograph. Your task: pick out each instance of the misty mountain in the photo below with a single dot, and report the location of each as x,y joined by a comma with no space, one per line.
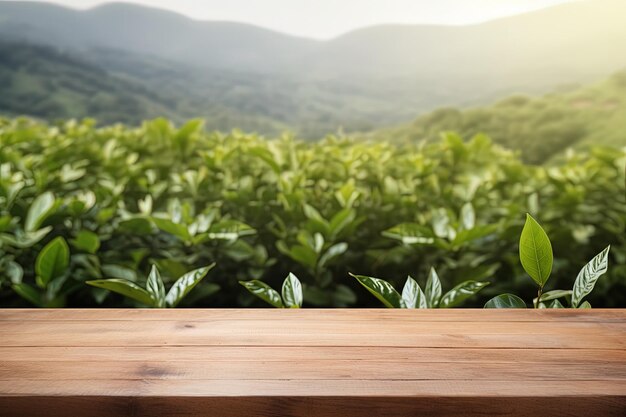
240,75
145,30
538,127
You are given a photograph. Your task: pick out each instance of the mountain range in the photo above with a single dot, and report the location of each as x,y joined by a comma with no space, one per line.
240,75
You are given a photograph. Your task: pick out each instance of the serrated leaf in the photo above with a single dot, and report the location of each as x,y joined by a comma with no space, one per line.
413,295
155,287
185,284
292,292
126,288
52,261
588,276
535,251
382,290
433,289
461,293
505,301
264,292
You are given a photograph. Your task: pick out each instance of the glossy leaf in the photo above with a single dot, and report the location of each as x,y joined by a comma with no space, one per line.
553,295
413,295
155,287
382,290
555,304
264,292
461,292
588,276
39,210
292,292
535,251
52,261
505,301
184,284
126,288
433,289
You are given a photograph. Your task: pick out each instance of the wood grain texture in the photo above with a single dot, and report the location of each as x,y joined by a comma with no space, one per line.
312,362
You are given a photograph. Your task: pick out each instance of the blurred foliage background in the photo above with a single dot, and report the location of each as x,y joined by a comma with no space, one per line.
182,198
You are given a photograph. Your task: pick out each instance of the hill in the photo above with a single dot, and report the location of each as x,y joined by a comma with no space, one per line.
539,127
47,83
241,76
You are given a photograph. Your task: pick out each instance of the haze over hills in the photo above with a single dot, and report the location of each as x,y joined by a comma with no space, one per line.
239,75
539,127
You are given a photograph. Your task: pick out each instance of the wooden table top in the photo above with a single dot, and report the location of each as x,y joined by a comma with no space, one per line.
310,362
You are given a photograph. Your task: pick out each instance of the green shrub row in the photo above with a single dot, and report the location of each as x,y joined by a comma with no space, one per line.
81,203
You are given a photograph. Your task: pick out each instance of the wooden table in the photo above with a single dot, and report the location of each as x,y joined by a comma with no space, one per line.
312,363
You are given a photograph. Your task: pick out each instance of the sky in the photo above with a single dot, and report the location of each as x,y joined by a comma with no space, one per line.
324,19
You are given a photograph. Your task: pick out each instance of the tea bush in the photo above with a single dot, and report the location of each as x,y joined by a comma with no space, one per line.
84,203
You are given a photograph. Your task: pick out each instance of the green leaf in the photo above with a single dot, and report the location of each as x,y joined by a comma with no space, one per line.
264,292
433,289
155,287
340,220
230,230
461,293
382,290
292,292
87,241
505,301
468,216
118,271
411,234
535,251
185,284
39,210
28,293
332,252
413,295
553,295
25,240
168,226
52,261
126,288
585,305
555,304
588,276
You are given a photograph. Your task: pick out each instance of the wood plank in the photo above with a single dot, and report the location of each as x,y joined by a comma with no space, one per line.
437,315
294,332
318,354
312,362
294,369
269,406
500,386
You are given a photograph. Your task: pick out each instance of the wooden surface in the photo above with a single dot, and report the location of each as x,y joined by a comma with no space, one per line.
312,363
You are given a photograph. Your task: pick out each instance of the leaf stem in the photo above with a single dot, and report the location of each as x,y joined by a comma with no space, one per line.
539,294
